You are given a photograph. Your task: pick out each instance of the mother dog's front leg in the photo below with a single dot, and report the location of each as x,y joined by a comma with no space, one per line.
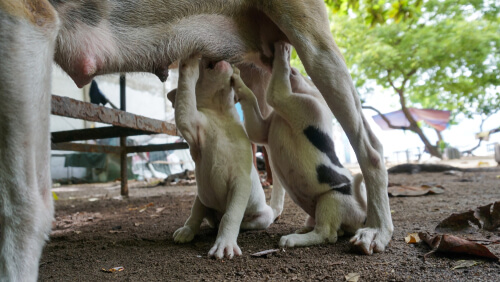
307,27
27,38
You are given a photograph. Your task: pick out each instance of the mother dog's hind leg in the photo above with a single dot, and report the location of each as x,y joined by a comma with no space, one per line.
27,37
306,25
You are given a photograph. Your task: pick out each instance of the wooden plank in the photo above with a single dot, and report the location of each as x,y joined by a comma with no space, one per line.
96,133
91,148
67,107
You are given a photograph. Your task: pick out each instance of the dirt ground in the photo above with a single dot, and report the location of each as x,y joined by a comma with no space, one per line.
95,229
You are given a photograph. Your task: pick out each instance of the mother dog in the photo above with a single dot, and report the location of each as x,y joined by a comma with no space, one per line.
91,37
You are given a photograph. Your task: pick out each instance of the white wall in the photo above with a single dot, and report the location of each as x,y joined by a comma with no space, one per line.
63,85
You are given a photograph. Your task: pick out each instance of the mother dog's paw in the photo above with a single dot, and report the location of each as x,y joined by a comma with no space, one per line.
183,235
224,248
370,240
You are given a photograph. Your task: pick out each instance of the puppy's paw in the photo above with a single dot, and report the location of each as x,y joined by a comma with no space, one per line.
236,72
308,239
332,238
183,235
224,248
189,64
240,89
282,51
289,241
370,240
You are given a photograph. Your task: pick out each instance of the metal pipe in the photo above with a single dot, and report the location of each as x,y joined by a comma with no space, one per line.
123,142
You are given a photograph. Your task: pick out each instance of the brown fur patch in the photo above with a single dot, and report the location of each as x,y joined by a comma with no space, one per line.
39,12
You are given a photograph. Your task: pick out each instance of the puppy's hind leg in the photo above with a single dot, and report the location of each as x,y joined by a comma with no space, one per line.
277,194
26,210
192,226
261,220
308,226
328,220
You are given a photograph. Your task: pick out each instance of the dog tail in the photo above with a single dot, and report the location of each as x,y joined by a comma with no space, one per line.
359,190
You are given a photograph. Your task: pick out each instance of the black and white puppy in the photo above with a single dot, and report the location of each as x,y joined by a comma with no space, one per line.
299,136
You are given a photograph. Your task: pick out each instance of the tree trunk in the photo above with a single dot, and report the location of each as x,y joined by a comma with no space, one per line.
433,150
440,137
415,128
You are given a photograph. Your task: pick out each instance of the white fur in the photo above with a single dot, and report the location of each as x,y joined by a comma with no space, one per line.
229,189
295,158
26,209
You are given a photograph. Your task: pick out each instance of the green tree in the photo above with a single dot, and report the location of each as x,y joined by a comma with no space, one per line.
377,11
446,58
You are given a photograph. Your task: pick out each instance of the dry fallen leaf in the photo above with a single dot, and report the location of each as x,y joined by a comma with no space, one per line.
265,253
412,238
483,164
352,277
486,217
398,190
145,207
466,263
458,221
453,244
114,269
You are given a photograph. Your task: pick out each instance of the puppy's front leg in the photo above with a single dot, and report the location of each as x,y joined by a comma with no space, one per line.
237,200
287,104
187,117
256,126
192,226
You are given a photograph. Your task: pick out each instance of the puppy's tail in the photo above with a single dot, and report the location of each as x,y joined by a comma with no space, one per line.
359,190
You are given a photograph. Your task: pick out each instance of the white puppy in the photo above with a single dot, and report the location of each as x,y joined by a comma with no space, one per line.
229,189
298,134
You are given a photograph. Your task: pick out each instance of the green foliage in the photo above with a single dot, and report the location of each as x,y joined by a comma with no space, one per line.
448,58
372,12
377,11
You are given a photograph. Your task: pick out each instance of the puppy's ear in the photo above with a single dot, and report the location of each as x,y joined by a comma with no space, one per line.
171,97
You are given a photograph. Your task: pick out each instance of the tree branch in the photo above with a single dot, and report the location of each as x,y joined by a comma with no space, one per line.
406,77
385,118
392,82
